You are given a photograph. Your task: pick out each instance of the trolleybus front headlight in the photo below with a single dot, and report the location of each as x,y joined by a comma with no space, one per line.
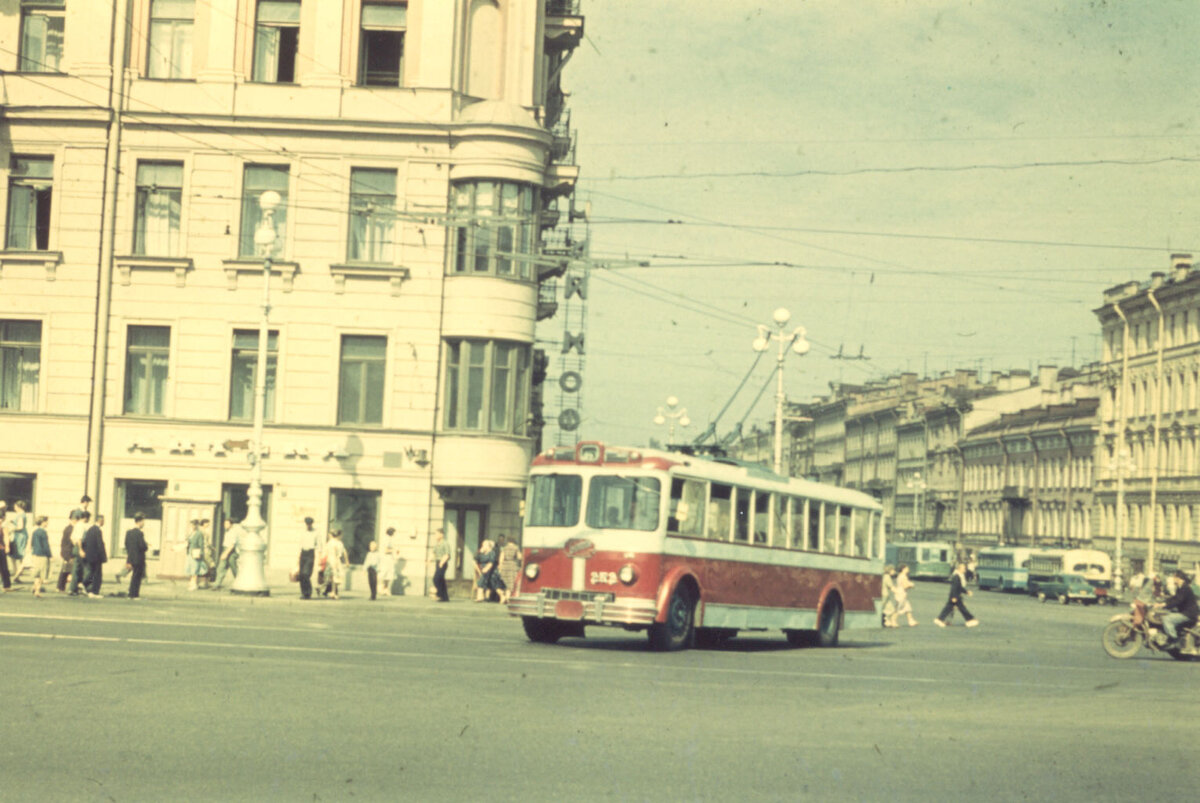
531,571
628,574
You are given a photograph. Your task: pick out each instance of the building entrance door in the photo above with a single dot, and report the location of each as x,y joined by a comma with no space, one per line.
465,526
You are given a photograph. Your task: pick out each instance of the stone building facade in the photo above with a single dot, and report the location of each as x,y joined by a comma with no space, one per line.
412,147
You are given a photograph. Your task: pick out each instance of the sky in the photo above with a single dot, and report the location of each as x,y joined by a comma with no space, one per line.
934,185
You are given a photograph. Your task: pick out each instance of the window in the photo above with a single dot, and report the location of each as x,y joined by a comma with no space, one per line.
276,37
20,364
741,529
146,354
762,516
687,507
494,225
487,386
720,506
554,500
781,523
360,389
244,373
381,49
372,215
623,503
171,38
156,218
144,497
862,533
30,184
42,26
356,514
256,180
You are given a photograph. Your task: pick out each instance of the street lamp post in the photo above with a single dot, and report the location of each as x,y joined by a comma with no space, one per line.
671,414
917,486
796,339
251,577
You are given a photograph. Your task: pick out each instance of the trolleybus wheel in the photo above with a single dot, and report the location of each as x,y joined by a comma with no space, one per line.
678,631
829,623
543,631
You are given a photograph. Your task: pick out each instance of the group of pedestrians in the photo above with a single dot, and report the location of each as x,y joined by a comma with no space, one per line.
496,566
328,562
82,550
896,603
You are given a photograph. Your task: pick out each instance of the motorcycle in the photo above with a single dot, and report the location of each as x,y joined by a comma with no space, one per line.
1126,633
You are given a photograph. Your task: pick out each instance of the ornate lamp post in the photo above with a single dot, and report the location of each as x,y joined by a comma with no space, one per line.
251,578
917,485
671,415
796,339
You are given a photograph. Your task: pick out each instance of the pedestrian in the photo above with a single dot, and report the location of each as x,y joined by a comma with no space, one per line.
508,567
308,558
18,540
441,559
196,567
958,590
66,551
39,555
888,591
900,593
5,577
485,563
135,554
78,512
336,561
77,564
95,555
371,564
387,562
228,560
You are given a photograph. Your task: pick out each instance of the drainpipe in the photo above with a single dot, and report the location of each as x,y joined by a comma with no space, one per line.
1157,438
104,269
1118,571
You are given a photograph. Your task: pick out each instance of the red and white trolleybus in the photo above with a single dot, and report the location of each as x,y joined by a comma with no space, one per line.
692,549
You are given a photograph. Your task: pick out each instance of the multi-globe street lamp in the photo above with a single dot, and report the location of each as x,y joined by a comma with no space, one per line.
251,577
795,339
671,414
917,485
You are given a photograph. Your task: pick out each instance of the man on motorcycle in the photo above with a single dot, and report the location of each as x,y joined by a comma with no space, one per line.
1183,607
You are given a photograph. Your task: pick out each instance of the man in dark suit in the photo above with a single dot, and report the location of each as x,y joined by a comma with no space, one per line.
95,555
135,554
958,590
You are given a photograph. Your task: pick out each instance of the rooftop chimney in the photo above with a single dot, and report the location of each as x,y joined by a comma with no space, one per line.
1156,279
1181,265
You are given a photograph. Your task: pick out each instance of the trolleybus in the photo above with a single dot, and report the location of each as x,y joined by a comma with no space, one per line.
1095,566
926,560
1004,568
692,549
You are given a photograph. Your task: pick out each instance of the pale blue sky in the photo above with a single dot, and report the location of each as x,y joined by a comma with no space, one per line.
765,127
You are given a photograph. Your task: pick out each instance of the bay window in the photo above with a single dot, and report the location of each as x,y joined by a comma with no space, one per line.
486,386
494,229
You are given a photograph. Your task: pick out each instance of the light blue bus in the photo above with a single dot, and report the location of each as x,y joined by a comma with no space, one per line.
1003,568
926,560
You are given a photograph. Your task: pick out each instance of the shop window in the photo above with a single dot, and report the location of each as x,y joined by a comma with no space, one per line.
356,514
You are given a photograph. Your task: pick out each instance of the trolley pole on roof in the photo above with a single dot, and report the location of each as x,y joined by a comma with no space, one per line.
800,345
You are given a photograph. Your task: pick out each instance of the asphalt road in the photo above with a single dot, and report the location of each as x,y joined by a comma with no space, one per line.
211,698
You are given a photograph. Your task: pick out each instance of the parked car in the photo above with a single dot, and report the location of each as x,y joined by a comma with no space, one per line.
1067,588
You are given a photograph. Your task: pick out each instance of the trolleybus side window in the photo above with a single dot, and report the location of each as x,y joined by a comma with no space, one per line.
741,524
623,503
720,508
862,533
832,531
554,500
815,515
779,532
687,507
762,516
799,523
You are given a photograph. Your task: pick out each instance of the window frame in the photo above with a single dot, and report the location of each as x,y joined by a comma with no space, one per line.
146,354
509,212
37,192
261,28
143,196
365,28
251,212
250,354
467,383
45,10
364,380
9,345
175,26
387,248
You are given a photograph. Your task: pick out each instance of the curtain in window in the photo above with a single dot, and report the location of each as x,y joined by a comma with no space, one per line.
41,42
271,15
258,179
372,215
22,218
19,377
159,202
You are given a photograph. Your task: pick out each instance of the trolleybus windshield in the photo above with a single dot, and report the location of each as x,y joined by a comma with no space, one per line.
554,500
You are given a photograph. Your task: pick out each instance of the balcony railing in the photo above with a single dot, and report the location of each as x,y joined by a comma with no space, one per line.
562,8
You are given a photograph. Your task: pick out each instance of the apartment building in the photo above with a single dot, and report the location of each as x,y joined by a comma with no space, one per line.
400,155
1148,449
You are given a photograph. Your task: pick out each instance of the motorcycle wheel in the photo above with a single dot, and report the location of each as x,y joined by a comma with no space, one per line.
1120,639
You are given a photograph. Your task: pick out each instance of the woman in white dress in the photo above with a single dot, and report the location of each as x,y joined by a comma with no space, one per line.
336,561
903,604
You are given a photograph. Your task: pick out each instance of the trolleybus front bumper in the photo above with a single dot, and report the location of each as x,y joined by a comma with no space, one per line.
589,607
